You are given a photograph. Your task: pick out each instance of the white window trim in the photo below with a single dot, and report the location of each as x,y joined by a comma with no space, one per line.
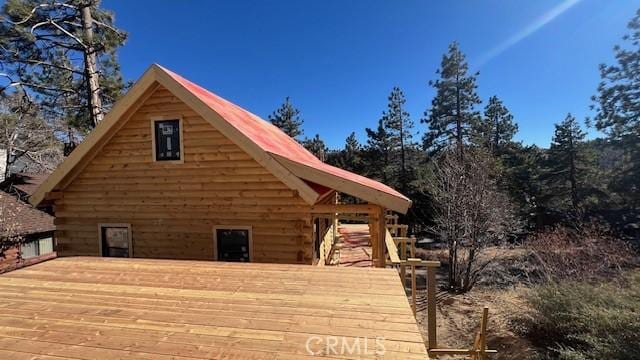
37,241
155,119
232,227
121,225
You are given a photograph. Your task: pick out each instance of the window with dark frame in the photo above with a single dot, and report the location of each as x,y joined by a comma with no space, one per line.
115,241
167,140
233,245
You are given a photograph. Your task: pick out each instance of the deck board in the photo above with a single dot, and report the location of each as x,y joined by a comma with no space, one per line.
354,246
88,308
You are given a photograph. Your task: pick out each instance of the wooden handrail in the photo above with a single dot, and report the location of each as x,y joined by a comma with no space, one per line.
392,249
396,249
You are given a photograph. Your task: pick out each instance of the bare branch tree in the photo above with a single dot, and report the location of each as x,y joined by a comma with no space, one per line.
471,213
27,137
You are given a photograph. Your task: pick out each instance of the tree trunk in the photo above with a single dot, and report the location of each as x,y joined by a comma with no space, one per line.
459,119
572,174
403,181
90,67
496,138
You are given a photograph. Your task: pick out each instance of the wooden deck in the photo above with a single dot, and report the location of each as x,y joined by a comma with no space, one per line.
354,246
98,308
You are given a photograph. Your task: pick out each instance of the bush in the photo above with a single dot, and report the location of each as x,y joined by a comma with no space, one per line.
589,253
575,320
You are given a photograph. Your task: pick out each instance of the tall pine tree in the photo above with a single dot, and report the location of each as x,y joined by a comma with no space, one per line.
316,146
566,171
62,54
497,128
378,152
618,110
452,114
399,128
288,119
352,154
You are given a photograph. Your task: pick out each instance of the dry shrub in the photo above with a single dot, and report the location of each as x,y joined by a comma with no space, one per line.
589,253
577,320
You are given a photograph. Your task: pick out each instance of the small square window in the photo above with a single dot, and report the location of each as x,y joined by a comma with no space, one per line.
115,240
167,140
233,244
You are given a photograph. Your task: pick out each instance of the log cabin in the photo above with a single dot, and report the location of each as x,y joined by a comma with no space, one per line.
30,229
177,172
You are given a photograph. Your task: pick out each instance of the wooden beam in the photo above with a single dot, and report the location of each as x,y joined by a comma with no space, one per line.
343,208
483,333
431,308
439,352
53,195
391,248
382,231
360,190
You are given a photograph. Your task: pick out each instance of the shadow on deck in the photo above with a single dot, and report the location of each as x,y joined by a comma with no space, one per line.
353,247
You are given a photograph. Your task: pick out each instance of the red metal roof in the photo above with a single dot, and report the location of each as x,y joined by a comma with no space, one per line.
271,139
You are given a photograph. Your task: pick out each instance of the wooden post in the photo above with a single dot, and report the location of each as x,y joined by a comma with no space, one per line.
413,262
373,238
413,246
431,307
483,333
382,233
403,256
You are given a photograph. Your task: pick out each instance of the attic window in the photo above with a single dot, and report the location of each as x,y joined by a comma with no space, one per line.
167,140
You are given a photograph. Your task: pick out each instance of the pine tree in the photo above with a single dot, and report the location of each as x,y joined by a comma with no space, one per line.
566,163
496,128
352,159
399,128
522,179
452,113
618,109
64,53
316,146
378,152
288,119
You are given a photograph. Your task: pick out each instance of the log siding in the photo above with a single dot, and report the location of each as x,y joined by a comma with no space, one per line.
172,208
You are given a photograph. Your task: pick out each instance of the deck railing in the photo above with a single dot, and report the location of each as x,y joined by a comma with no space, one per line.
397,257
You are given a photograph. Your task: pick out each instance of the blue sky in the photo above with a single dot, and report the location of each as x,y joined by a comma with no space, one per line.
338,60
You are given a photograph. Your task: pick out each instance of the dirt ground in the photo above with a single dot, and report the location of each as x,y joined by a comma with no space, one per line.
458,317
458,320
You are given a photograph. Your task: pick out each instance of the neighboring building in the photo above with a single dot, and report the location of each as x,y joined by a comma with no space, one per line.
174,171
35,227
22,185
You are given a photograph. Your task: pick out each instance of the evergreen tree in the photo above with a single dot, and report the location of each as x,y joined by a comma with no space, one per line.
352,159
316,146
452,113
62,54
288,119
399,128
522,179
566,163
618,109
497,128
378,152
349,157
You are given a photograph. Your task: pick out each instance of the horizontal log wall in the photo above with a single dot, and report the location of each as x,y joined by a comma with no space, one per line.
172,208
